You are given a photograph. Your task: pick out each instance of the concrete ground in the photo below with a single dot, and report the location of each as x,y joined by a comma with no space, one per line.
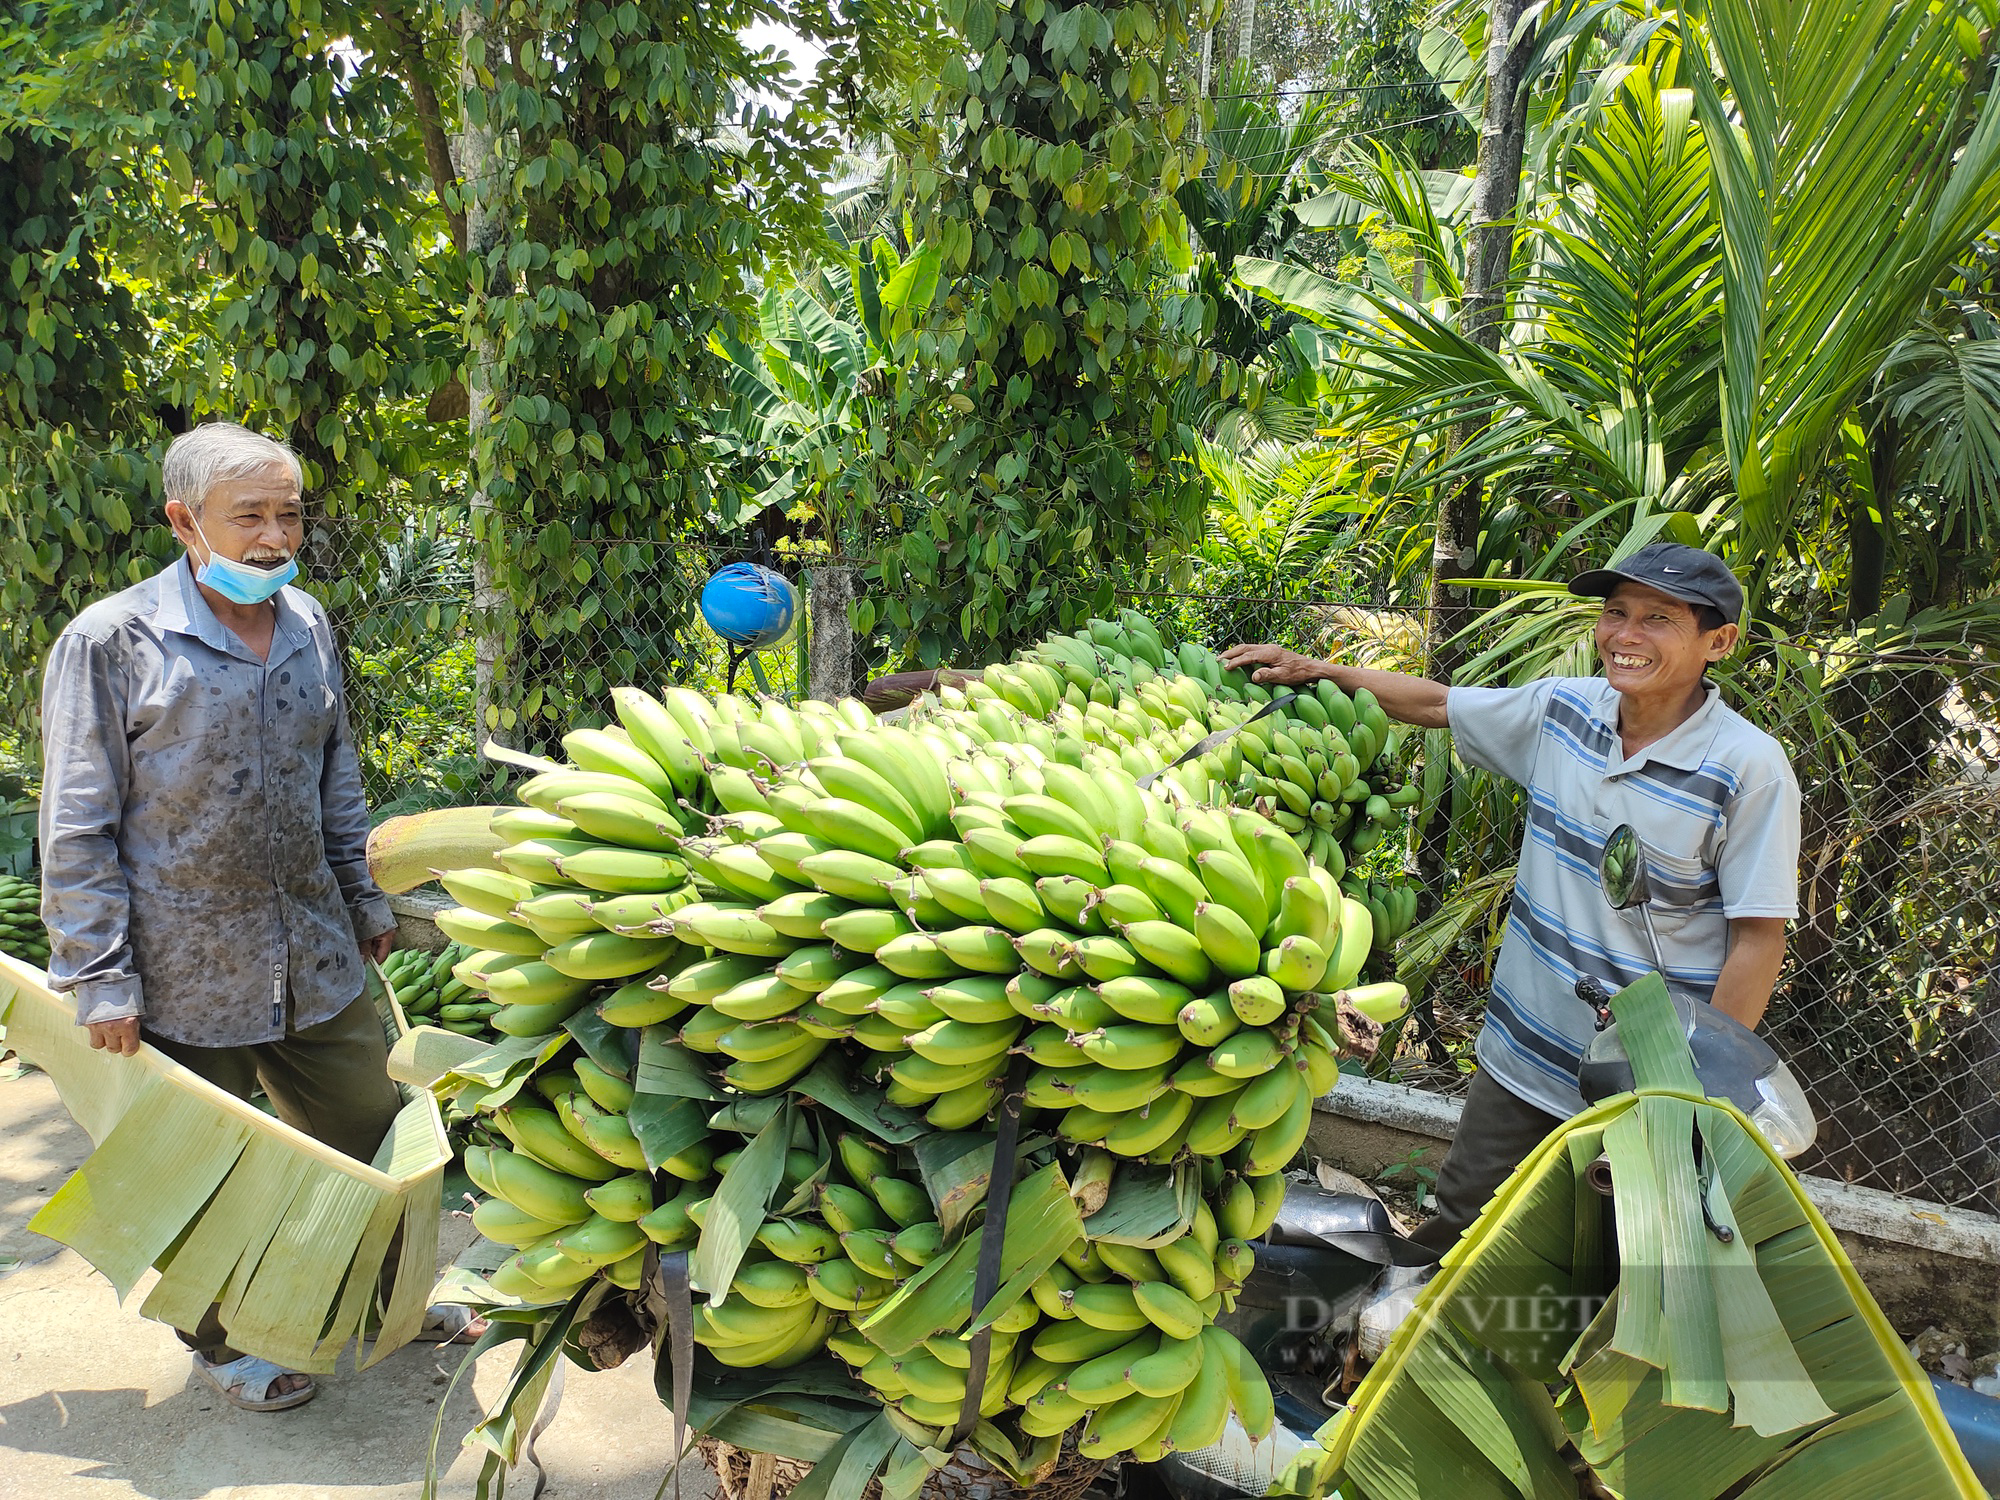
96,1403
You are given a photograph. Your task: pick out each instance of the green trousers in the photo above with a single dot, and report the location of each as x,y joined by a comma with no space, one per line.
330,1081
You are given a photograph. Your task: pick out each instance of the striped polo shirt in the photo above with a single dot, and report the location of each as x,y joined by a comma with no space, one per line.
1717,807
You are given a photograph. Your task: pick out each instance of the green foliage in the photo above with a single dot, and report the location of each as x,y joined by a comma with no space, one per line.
1242,202
72,491
1043,181
211,212
314,203
824,412
640,197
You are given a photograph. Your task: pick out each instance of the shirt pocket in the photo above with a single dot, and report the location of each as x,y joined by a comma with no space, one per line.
1683,887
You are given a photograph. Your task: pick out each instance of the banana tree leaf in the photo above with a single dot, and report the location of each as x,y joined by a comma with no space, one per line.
1695,1365
1300,290
904,1475
666,1067
233,1207
425,1054
1650,1029
666,1125
956,1167
1816,1394
831,1082
613,1048
855,1460
736,1211
1042,1222
1145,1207
800,1413
507,1421
1508,1419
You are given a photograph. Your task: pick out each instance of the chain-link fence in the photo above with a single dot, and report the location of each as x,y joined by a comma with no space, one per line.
402,598
1887,1009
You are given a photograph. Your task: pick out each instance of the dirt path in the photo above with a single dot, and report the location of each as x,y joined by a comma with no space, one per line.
96,1403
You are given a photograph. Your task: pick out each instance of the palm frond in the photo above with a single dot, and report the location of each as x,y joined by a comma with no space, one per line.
1854,159
1949,388
1628,294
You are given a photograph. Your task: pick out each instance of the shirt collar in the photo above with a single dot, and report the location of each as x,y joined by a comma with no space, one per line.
1685,748
182,609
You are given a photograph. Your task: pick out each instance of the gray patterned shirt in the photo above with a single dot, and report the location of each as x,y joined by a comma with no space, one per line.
203,831
1717,807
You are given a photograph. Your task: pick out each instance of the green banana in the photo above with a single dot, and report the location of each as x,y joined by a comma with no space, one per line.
1206,1020
1146,998
1257,1000
1174,951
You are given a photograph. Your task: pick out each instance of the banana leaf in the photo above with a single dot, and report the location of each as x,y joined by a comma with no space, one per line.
1042,1222
956,1167
666,1067
613,1048
831,1082
856,1459
1699,1334
230,1205
739,1206
1146,1206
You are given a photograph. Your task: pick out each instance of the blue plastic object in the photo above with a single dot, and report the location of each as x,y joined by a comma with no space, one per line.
749,606
1975,1421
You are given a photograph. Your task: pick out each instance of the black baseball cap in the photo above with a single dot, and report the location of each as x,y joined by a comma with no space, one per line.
1684,573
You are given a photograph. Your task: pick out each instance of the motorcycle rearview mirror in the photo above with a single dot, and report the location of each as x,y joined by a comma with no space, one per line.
1621,869
1622,873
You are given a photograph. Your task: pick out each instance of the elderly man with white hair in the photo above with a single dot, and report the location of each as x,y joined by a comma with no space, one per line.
204,871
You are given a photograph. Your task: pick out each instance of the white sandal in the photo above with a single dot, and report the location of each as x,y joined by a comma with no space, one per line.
235,1379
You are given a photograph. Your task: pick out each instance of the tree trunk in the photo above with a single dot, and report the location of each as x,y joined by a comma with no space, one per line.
1455,542
1495,190
1868,528
482,172
407,46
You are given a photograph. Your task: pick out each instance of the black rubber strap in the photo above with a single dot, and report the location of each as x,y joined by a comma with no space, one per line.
1220,737
669,1278
992,1242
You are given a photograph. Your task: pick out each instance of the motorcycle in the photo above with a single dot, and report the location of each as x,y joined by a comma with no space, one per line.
1334,1276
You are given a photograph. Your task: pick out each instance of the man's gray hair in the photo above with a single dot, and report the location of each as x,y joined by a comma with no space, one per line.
214,452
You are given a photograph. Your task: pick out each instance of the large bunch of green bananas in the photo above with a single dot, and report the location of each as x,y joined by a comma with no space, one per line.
1323,766
22,934
940,906
430,992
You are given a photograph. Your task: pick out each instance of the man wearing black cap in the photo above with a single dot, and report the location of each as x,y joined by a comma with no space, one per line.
1650,743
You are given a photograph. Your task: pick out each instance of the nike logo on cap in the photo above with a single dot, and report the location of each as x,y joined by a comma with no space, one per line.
1671,570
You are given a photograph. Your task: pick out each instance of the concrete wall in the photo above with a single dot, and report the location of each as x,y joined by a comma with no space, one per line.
1927,1265
414,910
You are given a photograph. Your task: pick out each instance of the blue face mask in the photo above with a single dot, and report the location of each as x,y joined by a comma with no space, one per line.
240,582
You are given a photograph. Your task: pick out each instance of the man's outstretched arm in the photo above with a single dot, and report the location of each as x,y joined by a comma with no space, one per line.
1405,698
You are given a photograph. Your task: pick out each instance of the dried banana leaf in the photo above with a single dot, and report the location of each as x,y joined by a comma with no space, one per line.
230,1205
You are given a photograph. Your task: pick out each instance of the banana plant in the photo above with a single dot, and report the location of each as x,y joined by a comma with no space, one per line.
821,382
